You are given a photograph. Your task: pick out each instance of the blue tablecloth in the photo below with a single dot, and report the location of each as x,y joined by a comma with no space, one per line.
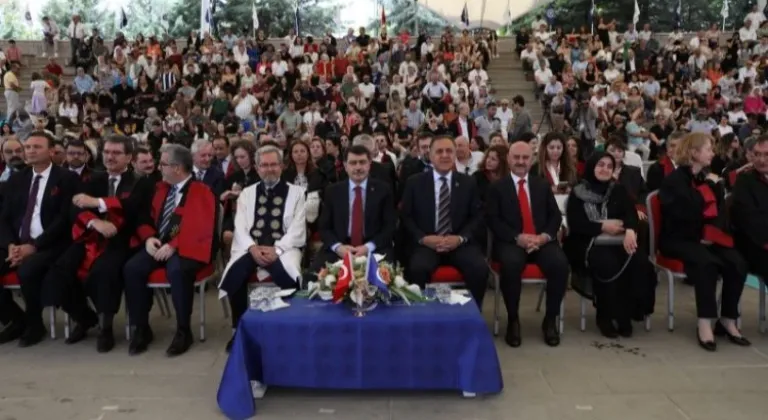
314,344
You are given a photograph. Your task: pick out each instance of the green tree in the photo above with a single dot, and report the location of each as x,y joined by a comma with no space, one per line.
276,17
91,12
402,14
146,17
13,24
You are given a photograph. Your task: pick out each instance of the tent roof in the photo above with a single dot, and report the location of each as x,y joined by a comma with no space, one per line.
483,13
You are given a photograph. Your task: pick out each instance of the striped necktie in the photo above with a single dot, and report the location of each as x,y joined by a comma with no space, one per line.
444,209
168,207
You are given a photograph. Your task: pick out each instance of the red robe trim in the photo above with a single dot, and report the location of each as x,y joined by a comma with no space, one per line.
711,232
198,221
230,168
95,244
548,175
666,165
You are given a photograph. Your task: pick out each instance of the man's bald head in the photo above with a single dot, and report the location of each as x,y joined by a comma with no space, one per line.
520,158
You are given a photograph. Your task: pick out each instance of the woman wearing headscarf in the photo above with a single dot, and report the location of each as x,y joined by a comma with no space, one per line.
602,244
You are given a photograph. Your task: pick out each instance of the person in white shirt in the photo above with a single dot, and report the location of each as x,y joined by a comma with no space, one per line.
76,34
466,160
528,56
403,70
478,72
646,34
240,55
755,17
505,115
631,34
747,33
312,117
367,88
747,72
702,85
543,74
538,23
244,104
279,67
50,32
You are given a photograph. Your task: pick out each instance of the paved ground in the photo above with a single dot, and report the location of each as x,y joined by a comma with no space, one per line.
653,376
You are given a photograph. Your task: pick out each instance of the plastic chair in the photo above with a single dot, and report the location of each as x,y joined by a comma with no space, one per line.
10,281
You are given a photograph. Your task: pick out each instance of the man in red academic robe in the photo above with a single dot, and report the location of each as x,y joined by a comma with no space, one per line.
92,266
179,235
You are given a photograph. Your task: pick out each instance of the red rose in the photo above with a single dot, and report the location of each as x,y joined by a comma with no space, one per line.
55,190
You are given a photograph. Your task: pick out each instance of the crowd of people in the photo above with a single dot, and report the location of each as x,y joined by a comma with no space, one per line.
380,144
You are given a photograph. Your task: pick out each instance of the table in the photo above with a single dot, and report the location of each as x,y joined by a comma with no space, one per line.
315,344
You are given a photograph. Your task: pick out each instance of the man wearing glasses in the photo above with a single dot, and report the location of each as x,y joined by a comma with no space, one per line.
92,266
76,157
270,232
179,233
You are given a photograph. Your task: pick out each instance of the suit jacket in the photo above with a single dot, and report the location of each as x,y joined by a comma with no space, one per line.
409,167
631,178
749,210
214,179
379,211
522,125
381,171
657,172
503,210
192,231
54,213
419,206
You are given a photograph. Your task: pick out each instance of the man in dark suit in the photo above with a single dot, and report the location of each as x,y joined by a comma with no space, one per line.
144,165
92,266
524,219
382,171
358,214
749,210
417,162
666,164
202,155
441,211
179,233
76,156
34,229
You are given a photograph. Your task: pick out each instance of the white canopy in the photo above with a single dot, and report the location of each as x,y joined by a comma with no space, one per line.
486,13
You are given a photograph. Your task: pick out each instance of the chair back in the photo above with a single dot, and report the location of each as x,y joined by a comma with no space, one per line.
653,205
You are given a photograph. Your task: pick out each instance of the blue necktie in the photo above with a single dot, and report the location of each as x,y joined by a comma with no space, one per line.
168,207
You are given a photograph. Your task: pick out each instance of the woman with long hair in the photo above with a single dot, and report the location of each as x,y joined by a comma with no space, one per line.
555,164
492,168
692,232
728,149
245,175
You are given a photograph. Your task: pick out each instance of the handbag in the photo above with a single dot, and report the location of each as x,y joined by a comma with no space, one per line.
606,240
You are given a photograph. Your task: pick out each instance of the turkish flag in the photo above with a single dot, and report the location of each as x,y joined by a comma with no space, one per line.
344,279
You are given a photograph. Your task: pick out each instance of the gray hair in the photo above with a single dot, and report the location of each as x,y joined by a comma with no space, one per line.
364,140
198,144
265,150
178,155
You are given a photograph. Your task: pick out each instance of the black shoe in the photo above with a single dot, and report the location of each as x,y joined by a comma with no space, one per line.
513,333
32,335
721,331
105,342
625,328
551,334
606,327
706,345
12,332
230,343
80,332
182,341
142,337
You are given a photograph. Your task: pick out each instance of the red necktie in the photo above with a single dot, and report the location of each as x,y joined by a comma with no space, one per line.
525,208
356,235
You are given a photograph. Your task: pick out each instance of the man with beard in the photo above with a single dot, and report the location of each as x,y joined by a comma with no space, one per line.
144,165
13,157
270,230
34,229
179,234
76,155
106,219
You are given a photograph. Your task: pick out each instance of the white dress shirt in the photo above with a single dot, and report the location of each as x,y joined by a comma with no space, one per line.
36,227
516,179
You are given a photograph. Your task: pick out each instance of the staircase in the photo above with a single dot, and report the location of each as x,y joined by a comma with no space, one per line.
508,80
32,64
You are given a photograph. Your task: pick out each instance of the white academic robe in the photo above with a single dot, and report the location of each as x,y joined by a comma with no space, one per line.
294,232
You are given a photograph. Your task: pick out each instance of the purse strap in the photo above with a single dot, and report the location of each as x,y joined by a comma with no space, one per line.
614,277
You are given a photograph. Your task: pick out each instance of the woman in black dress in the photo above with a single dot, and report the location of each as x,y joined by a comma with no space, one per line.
602,244
692,231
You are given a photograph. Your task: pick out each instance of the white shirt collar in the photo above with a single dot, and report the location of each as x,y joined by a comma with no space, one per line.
181,184
516,179
436,176
46,172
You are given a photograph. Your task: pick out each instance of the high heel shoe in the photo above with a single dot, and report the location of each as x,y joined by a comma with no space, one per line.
706,345
721,331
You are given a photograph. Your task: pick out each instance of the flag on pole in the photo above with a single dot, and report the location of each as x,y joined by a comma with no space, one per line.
28,16
297,22
254,16
205,17
343,279
373,275
123,18
636,17
550,14
724,11
679,15
383,17
465,15
591,16
508,15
